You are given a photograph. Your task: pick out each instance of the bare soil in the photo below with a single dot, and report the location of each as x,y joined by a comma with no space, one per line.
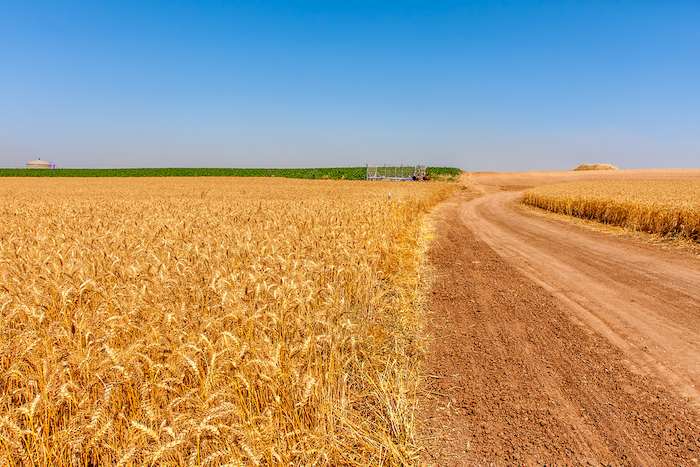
556,344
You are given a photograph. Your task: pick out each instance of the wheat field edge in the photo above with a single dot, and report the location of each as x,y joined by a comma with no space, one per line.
209,321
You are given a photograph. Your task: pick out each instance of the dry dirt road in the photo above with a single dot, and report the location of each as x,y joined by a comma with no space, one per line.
557,344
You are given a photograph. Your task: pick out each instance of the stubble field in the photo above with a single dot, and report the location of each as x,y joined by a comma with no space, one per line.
206,321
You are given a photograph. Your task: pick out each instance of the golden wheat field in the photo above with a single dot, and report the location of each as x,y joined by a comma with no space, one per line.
665,207
209,321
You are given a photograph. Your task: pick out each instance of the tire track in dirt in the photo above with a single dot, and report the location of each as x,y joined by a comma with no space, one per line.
517,374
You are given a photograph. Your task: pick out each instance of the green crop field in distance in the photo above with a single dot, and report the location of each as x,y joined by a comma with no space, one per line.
442,173
335,173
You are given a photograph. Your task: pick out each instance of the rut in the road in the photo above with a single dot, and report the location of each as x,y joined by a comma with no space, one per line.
513,379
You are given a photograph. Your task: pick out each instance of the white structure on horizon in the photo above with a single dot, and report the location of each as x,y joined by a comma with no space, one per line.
39,164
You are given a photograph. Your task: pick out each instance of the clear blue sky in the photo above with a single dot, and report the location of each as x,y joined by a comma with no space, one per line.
481,85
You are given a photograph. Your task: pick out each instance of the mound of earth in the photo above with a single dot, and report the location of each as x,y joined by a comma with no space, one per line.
595,167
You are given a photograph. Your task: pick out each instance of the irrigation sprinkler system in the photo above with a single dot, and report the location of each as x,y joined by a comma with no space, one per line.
397,173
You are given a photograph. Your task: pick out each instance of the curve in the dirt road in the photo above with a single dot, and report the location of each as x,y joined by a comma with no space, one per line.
523,368
644,300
